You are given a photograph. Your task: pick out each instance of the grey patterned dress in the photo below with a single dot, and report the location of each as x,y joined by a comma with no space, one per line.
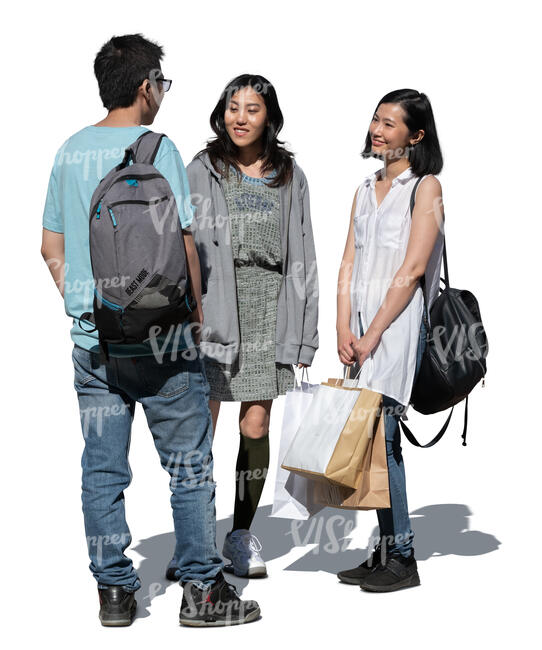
254,214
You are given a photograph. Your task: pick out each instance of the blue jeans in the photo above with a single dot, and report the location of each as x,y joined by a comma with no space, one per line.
174,396
394,522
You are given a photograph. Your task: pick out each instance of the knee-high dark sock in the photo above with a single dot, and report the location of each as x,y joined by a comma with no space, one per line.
251,470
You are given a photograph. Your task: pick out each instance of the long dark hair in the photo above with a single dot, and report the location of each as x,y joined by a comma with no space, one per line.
223,152
425,157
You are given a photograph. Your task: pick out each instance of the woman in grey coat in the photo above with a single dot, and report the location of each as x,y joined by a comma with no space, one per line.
254,238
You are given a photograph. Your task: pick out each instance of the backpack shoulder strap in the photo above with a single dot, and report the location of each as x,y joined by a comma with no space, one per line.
410,436
444,255
144,149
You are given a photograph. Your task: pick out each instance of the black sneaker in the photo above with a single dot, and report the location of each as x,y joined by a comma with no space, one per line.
357,574
396,572
172,572
117,606
216,605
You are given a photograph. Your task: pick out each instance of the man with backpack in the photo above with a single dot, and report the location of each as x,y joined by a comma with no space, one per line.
115,366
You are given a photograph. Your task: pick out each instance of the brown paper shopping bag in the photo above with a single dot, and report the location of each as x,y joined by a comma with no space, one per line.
346,463
373,490
339,458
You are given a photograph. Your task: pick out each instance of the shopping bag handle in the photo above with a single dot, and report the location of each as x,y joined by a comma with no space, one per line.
345,367
303,371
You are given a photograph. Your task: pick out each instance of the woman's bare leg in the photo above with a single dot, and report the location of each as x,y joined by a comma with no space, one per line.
254,418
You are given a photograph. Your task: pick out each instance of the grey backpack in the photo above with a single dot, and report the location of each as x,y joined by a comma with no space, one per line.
141,280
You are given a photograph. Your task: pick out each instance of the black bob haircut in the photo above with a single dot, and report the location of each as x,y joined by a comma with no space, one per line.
121,66
425,157
223,152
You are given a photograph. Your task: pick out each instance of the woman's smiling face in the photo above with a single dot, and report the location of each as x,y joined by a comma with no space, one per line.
389,133
245,117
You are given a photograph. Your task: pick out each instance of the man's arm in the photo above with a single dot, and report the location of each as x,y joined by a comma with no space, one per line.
52,251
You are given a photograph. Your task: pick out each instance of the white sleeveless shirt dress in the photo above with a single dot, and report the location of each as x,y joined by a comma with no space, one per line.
380,238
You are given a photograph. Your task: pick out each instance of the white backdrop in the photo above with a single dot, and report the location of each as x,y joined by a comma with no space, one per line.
475,509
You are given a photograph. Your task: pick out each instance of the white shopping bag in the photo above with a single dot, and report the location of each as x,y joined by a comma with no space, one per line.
293,493
315,451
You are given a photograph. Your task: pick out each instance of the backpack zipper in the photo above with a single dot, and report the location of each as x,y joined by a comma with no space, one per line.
112,217
140,177
108,302
138,202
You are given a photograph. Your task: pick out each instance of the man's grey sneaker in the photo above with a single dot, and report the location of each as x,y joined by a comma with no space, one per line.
117,606
396,572
216,605
243,549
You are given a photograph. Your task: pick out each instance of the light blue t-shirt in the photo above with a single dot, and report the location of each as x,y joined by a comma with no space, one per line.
80,164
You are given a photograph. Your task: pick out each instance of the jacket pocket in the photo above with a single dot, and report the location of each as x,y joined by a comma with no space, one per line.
218,313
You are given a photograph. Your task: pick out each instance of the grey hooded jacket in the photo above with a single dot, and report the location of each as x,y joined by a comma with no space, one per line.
296,339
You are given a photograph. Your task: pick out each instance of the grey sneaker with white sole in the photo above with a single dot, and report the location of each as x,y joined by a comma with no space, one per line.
243,549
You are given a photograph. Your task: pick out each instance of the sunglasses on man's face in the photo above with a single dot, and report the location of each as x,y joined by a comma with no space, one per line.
164,83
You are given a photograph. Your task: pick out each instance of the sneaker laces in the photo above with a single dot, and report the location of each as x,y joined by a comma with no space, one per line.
253,542
232,589
244,544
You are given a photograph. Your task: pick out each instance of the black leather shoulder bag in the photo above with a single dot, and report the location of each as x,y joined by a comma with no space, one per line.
454,359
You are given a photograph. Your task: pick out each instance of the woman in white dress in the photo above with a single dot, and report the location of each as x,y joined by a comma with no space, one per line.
391,260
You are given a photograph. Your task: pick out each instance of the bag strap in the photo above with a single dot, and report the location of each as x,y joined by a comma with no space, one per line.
422,279
446,278
88,316
144,149
410,436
